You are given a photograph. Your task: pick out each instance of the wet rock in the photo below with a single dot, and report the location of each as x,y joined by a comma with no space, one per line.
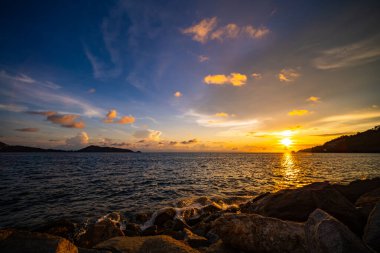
141,218
15,241
63,228
164,215
132,229
356,188
212,208
219,247
195,240
201,228
151,244
325,234
212,236
256,233
178,235
179,224
84,250
99,232
152,230
372,230
298,204
367,201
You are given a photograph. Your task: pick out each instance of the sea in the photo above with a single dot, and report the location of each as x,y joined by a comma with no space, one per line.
40,187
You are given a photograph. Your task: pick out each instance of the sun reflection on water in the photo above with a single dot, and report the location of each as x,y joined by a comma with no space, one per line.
288,173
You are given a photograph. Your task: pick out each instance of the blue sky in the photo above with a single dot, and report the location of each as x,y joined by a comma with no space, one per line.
187,75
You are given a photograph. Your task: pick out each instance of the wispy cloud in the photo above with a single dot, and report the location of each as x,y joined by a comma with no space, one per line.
192,141
221,114
27,129
217,121
234,79
358,53
313,99
299,112
203,58
351,117
207,29
64,120
13,108
92,90
288,75
257,76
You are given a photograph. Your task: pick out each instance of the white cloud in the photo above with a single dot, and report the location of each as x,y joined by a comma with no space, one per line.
78,141
358,53
13,108
148,134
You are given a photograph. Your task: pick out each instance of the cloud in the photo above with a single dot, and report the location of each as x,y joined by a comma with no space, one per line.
288,75
178,94
64,120
203,58
313,99
200,32
19,78
214,121
52,85
300,112
207,30
351,117
358,53
13,108
126,120
221,114
234,79
27,129
92,90
173,143
148,134
111,117
334,134
257,76
79,140
192,141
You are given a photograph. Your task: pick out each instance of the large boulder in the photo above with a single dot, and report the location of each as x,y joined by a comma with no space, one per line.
194,240
367,201
151,244
15,241
356,188
63,228
99,232
325,234
298,204
163,216
372,230
256,233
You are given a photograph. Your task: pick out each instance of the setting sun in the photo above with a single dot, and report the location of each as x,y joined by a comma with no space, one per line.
287,142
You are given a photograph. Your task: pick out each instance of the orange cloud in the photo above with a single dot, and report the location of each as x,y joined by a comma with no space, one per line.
288,75
256,32
300,112
234,79
221,114
313,99
200,32
192,141
111,117
178,94
27,129
257,76
126,120
65,120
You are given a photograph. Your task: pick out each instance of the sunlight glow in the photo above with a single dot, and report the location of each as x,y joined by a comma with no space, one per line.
287,142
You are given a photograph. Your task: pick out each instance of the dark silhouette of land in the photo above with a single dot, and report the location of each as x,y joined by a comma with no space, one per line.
16,148
364,142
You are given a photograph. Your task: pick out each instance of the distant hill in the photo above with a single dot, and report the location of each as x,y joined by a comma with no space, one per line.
93,148
364,142
9,148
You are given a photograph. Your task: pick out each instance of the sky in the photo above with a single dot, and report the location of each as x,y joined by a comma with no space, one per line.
221,76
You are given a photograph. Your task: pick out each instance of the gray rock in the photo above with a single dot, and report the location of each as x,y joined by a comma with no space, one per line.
367,201
256,233
298,204
325,234
372,230
15,241
151,244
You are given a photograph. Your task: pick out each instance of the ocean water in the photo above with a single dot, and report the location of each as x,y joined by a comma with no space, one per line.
39,187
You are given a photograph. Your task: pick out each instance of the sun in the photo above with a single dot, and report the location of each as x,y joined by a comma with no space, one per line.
287,142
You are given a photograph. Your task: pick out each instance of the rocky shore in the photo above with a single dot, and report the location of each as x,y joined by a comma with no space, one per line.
320,217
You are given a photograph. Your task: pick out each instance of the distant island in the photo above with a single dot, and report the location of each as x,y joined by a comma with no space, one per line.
364,142
16,148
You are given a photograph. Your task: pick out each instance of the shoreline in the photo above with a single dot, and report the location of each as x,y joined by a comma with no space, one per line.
203,225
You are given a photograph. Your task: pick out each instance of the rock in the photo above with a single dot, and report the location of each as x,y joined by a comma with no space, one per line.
212,236
132,229
298,204
256,233
212,208
99,232
152,230
84,250
179,224
63,228
141,218
372,230
16,241
219,247
368,200
151,244
195,240
164,215
325,234
356,188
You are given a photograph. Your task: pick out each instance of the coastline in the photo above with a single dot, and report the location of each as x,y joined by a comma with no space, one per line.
271,222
